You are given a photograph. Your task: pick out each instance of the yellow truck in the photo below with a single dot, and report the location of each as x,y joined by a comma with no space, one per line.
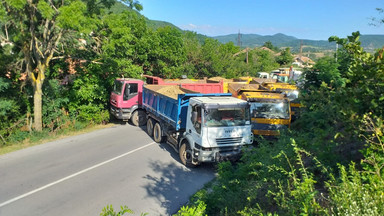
270,111
292,93
226,82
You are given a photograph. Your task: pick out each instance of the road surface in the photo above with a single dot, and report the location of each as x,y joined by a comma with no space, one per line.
80,175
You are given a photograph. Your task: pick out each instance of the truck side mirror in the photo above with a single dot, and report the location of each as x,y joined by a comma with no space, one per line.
194,117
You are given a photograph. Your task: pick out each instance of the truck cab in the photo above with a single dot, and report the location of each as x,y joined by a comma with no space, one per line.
292,93
126,100
216,129
270,111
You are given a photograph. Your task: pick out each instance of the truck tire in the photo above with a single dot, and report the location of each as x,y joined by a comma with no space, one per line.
185,154
150,127
157,133
138,118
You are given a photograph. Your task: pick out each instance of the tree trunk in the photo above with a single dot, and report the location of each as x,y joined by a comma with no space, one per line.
37,104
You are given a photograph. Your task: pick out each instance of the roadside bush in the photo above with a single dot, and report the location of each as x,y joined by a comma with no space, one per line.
55,106
197,209
109,211
361,192
92,113
18,136
278,178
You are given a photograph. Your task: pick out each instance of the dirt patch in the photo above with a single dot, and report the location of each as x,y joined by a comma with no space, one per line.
219,79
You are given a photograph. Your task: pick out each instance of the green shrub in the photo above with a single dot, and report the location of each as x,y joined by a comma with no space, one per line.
92,113
195,210
18,136
109,211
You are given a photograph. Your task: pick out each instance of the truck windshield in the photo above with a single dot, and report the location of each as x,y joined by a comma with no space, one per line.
220,117
270,110
118,87
293,94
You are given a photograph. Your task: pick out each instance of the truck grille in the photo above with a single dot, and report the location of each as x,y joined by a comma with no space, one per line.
228,141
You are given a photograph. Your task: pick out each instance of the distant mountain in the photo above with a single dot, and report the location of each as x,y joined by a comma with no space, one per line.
369,42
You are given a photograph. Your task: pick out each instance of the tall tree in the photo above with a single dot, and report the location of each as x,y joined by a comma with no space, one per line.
285,57
134,4
37,29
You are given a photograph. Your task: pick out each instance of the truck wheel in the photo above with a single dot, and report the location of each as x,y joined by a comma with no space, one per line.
157,133
150,127
185,154
138,118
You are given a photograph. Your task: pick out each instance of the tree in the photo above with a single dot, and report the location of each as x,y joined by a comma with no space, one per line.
168,52
325,71
269,45
192,48
126,43
376,21
285,57
133,4
37,29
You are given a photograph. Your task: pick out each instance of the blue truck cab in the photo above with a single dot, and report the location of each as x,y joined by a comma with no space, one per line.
200,127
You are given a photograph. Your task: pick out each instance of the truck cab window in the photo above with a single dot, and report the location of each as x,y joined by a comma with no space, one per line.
130,91
118,87
197,123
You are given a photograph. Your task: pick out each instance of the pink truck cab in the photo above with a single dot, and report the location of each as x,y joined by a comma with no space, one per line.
126,100
126,96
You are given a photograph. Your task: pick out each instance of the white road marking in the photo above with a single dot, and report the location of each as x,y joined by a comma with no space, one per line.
72,176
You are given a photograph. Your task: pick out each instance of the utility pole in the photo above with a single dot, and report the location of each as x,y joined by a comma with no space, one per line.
239,40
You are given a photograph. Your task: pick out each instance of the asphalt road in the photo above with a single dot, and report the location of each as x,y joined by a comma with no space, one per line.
81,175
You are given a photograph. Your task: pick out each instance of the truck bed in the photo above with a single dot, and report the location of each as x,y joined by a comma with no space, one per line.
201,86
170,103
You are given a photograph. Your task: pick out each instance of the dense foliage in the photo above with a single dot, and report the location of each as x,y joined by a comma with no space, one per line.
330,163
83,55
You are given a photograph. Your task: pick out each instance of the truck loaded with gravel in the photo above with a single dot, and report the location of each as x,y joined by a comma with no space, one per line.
200,127
126,95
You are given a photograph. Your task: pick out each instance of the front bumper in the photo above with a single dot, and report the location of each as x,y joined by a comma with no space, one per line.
121,114
218,154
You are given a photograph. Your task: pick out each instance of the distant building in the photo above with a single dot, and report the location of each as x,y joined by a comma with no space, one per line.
302,61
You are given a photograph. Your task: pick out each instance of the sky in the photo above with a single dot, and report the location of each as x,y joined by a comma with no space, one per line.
303,19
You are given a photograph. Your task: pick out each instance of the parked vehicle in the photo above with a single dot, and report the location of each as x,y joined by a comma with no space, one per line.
126,100
263,75
292,93
270,111
126,96
200,127
286,74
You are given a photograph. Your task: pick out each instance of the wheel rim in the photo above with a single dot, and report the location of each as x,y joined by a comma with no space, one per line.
150,127
157,133
186,154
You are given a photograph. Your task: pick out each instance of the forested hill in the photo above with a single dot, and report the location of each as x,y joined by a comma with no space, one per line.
369,42
119,7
